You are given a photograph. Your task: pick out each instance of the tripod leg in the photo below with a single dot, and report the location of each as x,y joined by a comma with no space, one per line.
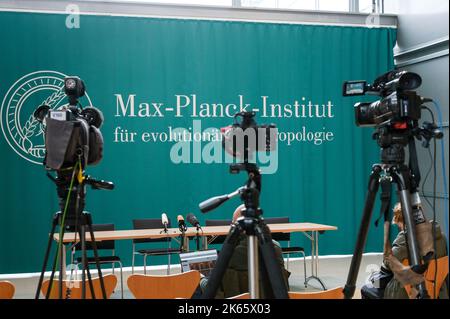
85,265
350,285
97,262
52,276
270,260
61,268
252,259
47,254
411,238
225,255
83,262
91,285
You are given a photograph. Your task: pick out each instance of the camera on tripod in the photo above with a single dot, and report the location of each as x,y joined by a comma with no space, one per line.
242,139
71,133
72,141
395,117
398,100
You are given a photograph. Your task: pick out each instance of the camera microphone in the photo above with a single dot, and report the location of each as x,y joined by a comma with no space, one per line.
164,221
181,224
193,220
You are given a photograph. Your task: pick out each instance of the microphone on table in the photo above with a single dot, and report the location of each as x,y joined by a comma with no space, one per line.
192,219
164,221
181,224
194,222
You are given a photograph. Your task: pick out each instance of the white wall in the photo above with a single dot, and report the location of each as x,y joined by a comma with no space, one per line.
422,47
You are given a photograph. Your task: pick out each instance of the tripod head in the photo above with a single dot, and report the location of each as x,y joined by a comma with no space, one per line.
252,189
74,182
249,193
393,139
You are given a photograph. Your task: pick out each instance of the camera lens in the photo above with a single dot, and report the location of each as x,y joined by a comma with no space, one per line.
410,81
70,84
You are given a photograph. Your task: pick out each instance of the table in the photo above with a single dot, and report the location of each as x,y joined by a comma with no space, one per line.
310,230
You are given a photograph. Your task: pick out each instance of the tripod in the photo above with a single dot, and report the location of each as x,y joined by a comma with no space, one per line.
72,202
258,236
407,177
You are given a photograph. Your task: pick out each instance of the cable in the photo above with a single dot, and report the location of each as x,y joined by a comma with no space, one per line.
432,206
444,173
433,158
61,227
433,229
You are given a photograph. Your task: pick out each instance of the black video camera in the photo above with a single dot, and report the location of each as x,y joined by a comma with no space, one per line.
242,139
71,133
398,103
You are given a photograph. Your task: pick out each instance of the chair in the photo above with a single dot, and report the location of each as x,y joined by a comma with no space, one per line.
181,285
245,295
431,286
286,237
218,222
104,245
7,290
336,293
109,280
151,224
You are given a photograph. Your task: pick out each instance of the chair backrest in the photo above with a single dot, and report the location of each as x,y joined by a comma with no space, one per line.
149,223
101,245
442,272
218,222
181,285
245,295
279,220
75,287
336,293
7,290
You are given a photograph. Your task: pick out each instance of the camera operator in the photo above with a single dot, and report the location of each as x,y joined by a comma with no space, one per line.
383,283
235,281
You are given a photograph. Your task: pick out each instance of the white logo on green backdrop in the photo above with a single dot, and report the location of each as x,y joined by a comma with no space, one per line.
23,133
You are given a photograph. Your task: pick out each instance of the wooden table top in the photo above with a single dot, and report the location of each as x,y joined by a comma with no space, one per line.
191,232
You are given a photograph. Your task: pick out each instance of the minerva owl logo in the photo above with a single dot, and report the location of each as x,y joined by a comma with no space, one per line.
21,130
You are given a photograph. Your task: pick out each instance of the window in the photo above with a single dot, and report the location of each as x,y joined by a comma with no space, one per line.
196,2
365,6
285,4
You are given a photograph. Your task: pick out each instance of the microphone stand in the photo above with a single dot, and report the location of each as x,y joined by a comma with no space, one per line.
197,236
182,237
164,230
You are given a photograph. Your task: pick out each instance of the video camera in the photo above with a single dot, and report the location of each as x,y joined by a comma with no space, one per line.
396,115
71,133
398,100
242,139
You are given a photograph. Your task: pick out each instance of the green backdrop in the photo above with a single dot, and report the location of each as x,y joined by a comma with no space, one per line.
156,59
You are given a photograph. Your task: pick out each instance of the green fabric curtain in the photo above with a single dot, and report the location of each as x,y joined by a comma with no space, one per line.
156,59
